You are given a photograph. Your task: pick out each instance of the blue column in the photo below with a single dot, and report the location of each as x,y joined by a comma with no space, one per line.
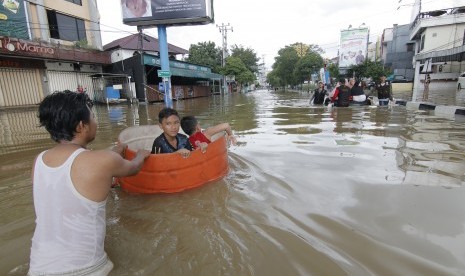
165,63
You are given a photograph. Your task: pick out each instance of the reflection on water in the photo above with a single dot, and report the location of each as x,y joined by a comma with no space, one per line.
311,191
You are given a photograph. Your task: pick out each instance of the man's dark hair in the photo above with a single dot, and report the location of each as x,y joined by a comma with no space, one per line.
342,81
61,112
188,124
165,113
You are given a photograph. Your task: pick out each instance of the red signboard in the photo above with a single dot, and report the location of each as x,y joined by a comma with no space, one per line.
27,48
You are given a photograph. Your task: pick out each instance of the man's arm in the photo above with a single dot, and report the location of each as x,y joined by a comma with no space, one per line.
122,167
92,175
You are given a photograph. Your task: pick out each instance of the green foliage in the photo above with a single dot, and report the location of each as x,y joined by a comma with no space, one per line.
248,57
307,65
207,54
290,68
369,69
334,71
235,67
273,79
84,44
285,64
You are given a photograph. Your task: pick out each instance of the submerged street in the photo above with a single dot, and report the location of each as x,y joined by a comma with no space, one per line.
310,191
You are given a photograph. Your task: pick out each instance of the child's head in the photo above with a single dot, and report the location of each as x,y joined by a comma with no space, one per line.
168,119
189,124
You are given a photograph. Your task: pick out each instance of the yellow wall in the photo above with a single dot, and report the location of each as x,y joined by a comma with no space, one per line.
35,26
69,8
402,87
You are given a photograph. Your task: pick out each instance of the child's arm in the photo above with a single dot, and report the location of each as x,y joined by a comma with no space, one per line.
209,132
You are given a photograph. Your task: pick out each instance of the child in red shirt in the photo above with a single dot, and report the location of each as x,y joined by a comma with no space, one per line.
200,138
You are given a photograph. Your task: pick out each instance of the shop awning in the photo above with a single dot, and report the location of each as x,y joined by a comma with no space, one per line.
194,74
183,69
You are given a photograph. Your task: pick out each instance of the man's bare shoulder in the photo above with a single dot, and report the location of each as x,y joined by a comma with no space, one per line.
100,157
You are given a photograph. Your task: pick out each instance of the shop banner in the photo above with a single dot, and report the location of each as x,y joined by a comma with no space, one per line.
353,48
13,19
167,12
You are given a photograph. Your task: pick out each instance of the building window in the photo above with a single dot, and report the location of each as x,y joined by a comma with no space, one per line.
77,2
66,27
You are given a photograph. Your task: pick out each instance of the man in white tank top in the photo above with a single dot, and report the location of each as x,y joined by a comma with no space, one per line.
70,188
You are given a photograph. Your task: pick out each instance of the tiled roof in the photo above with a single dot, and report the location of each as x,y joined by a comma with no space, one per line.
149,43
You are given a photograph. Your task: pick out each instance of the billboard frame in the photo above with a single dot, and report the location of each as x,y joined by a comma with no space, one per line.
169,13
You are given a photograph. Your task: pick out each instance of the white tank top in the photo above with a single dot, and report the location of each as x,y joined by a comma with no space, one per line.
70,229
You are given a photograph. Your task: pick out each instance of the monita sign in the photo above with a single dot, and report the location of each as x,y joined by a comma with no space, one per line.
16,46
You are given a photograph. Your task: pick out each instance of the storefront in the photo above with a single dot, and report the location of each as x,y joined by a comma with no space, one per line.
30,70
187,80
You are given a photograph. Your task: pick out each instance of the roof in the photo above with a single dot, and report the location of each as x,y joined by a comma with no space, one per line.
149,43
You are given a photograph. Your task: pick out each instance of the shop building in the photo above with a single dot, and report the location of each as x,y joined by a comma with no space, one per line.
137,56
46,46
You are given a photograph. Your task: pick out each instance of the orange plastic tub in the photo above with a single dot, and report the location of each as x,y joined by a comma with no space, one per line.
170,172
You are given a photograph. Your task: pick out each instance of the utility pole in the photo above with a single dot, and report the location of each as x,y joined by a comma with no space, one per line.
224,33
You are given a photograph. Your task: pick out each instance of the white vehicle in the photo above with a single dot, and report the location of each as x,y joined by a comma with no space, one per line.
461,81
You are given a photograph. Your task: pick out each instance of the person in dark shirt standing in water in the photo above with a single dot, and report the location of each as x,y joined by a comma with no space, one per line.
384,91
319,94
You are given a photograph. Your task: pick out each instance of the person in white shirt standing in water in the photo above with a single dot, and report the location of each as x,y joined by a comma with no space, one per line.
70,188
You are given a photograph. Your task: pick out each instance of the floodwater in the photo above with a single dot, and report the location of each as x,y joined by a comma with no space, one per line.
311,191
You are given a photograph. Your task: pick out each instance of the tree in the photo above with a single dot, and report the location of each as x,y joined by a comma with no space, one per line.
248,57
207,54
285,64
333,70
307,65
368,69
273,79
235,67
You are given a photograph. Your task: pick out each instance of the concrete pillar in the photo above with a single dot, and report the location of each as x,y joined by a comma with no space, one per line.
43,21
417,86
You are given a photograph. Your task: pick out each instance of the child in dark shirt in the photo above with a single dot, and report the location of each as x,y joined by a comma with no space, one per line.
171,140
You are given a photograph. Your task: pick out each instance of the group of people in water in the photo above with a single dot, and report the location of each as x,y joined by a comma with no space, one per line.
71,183
351,91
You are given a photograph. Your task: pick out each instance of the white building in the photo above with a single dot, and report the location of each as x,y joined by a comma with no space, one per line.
439,41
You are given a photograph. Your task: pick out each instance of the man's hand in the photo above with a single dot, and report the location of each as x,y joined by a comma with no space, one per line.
143,153
120,148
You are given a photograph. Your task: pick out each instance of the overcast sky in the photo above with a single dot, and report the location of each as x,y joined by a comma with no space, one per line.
269,25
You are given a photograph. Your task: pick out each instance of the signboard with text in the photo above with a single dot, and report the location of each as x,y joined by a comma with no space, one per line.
167,12
13,19
353,47
164,74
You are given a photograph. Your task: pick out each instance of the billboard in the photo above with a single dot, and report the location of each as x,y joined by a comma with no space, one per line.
13,21
167,12
353,47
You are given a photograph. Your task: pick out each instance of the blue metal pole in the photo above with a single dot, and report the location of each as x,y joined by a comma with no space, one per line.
165,64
